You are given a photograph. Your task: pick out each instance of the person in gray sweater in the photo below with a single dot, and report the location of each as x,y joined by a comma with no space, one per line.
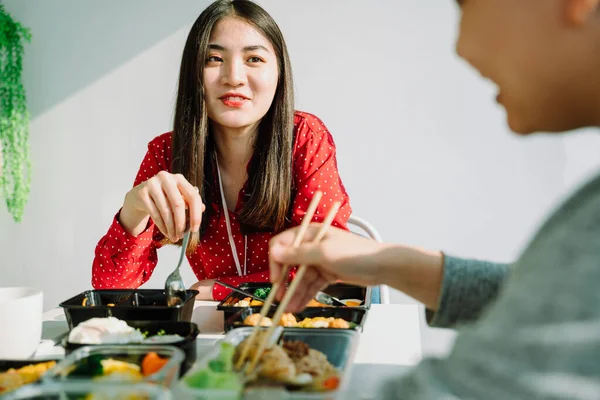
530,330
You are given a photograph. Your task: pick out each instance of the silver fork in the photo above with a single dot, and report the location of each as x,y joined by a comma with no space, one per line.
174,287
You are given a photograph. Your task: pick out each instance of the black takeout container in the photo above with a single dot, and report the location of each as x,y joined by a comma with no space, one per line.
129,305
339,290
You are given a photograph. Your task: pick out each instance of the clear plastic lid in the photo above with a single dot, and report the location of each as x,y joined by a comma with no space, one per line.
166,375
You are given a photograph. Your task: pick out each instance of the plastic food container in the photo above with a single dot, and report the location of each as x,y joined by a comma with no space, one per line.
355,316
167,375
341,291
188,330
339,345
128,305
90,391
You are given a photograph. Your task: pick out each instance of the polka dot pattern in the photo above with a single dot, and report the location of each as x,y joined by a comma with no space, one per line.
124,261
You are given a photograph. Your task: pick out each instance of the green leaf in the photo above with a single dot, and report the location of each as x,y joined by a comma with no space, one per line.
15,164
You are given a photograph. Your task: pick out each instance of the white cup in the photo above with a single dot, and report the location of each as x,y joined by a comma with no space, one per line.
21,310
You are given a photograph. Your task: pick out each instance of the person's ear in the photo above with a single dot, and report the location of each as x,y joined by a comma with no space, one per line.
578,12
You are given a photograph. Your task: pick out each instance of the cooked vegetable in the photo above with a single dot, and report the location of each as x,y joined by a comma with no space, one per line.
98,367
218,374
263,293
14,378
152,363
89,367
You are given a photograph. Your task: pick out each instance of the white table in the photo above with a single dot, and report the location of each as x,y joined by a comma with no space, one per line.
389,343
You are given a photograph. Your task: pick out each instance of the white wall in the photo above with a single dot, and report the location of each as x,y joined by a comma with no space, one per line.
423,149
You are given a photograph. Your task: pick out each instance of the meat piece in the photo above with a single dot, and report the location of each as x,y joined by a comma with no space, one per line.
252,350
315,364
276,364
295,349
253,320
288,319
339,323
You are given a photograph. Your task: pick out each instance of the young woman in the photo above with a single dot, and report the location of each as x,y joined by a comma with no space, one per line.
239,166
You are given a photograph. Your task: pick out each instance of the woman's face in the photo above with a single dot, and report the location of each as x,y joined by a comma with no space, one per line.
240,74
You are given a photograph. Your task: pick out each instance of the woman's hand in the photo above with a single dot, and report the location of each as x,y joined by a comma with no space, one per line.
164,198
205,288
344,256
340,255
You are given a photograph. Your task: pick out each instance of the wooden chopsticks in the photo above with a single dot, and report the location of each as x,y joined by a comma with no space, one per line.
310,212
293,286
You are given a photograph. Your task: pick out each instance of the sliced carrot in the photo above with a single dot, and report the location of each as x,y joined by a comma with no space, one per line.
331,383
152,363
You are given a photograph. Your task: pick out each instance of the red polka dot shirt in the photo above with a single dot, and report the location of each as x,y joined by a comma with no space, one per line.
125,261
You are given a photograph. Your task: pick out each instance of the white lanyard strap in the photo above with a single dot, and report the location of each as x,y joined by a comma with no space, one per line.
228,224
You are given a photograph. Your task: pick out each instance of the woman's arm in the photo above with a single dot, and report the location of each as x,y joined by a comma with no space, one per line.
127,260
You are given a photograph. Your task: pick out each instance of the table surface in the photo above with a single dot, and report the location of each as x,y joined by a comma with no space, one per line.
389,344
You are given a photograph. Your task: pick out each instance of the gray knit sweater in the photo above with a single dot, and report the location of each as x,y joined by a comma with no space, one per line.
531,331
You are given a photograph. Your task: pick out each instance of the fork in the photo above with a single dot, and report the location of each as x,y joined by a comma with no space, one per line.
174,287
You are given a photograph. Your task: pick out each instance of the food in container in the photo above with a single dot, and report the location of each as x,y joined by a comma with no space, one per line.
234,301
290,321
322,322
218,373
352,302
101,368
262,292
104,331
292,363
287,319
110,330
14,374
326,318
247,302
120,363
301,364
127,305
314,303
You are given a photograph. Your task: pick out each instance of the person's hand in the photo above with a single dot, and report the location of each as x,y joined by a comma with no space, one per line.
164,198
340,255
205,288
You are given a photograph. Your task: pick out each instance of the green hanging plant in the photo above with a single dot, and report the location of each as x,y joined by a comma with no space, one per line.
15,165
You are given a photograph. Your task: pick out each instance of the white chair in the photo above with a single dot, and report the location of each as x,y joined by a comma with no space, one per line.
371,232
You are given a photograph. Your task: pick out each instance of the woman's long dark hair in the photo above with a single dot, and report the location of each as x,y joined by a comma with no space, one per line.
269,188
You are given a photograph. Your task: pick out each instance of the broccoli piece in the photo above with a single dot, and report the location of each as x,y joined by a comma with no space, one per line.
89,367
263,293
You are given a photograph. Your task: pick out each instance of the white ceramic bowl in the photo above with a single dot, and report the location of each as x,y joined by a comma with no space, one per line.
21,311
